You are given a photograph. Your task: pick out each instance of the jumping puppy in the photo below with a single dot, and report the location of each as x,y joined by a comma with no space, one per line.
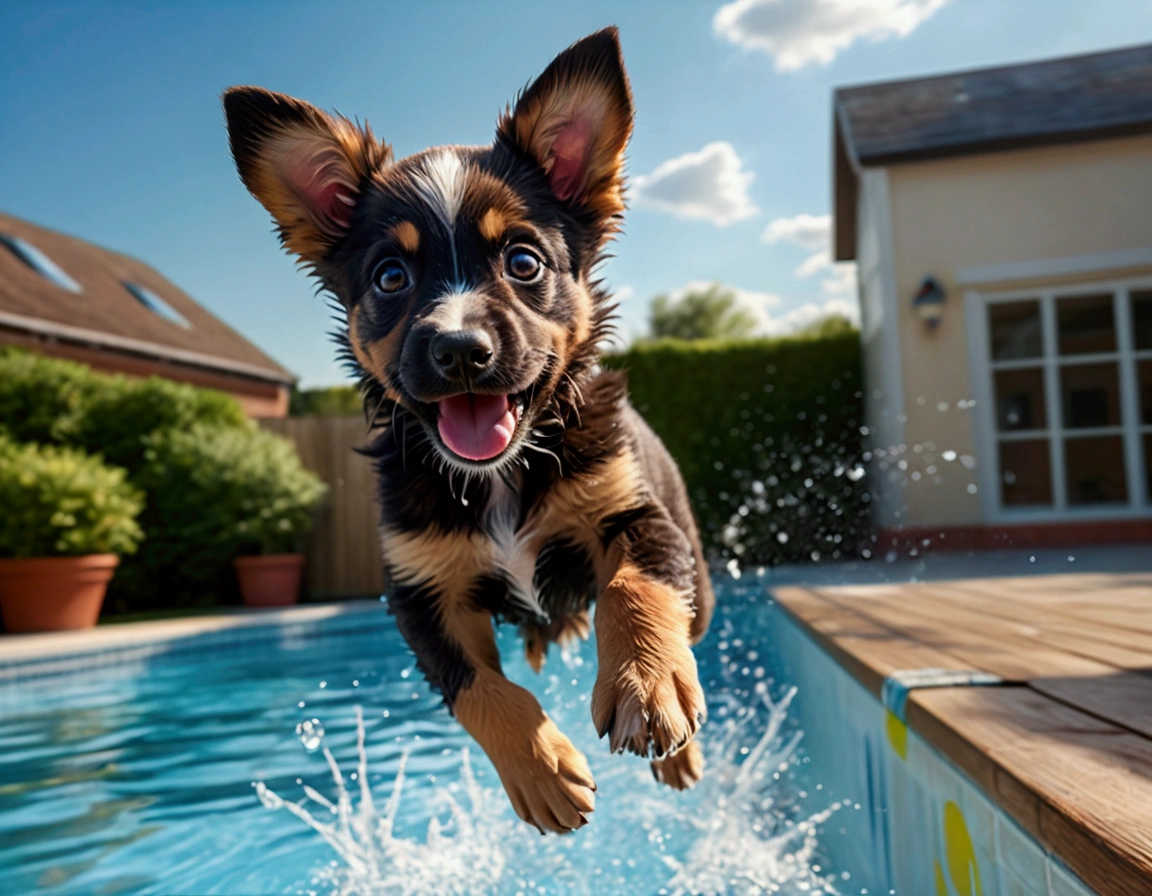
515,480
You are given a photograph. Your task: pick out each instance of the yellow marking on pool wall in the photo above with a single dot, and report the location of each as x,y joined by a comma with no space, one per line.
941,884
898,735
960,854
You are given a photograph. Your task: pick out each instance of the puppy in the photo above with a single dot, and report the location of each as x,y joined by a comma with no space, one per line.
515,480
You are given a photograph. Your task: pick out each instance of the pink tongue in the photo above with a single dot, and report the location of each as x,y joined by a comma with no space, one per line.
477,427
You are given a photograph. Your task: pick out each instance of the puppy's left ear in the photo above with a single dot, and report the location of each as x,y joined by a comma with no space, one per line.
575,120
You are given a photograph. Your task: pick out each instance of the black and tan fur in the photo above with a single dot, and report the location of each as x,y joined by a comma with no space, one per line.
585,505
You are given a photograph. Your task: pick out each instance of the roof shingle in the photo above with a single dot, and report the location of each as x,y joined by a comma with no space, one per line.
1078,97
105,308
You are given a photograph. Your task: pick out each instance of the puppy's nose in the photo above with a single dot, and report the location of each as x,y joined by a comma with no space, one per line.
461,353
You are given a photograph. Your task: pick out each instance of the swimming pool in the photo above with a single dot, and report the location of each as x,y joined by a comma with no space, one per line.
174,769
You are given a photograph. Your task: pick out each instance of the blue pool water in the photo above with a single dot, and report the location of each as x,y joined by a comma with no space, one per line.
166,775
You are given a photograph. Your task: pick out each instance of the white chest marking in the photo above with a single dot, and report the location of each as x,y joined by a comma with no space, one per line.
513,552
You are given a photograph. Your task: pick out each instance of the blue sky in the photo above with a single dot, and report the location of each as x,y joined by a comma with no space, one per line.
111,129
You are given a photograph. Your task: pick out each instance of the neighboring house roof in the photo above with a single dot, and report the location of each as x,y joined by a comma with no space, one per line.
1076,98
116,305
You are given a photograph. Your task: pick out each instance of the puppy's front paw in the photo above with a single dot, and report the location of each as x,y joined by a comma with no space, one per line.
650,706
548,780
682,769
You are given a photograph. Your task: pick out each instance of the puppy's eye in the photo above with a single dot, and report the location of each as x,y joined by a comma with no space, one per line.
391,276
523,264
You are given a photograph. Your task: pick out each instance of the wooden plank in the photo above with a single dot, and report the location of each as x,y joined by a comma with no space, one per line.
1125,699
869,651
1122,648
343,550
1081,786
985,643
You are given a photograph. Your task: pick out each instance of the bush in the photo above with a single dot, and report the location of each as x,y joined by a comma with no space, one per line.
214,494
62,502
121,417
43,399
61,402
331,401
767,435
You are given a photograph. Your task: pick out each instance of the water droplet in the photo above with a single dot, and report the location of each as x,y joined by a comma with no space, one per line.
782,537
323,684
311,734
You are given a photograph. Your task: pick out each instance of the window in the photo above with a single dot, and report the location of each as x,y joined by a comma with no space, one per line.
155,304
39,262
1069,401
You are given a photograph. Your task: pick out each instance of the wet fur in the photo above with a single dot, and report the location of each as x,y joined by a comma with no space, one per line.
585,505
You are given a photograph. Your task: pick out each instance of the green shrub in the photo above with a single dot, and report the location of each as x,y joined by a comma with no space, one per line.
62,502
43,399
121,417
214,494
61,402
767,435
330,401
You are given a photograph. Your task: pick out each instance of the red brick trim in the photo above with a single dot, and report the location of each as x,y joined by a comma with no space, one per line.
1031,535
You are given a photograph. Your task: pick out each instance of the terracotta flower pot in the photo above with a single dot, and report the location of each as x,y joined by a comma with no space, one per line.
50,594
270,581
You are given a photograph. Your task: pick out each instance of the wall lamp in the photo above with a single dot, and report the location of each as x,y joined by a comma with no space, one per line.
928,302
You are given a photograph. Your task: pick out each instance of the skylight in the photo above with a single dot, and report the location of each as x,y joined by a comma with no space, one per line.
155,304
39,262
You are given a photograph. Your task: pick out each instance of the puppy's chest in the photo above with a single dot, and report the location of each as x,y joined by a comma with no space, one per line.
542,567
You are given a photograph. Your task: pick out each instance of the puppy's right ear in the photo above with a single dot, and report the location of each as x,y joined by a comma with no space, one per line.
305,166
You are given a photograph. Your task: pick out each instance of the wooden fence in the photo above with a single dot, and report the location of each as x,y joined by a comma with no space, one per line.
343,550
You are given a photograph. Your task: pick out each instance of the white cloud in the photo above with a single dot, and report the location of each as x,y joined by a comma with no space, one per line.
814,233
796,319
710,184
623,294
801,32
811,232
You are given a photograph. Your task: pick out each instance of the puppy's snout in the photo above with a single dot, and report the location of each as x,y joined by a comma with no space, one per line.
461,354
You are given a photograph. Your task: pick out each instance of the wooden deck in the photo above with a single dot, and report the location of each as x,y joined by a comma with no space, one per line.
1065,746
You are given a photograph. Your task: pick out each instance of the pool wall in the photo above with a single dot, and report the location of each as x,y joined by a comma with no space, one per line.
922,829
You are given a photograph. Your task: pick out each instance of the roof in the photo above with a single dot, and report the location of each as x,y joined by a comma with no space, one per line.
1076,98
106,314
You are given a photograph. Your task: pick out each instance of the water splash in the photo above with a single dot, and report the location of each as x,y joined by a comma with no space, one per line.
738,840
311,734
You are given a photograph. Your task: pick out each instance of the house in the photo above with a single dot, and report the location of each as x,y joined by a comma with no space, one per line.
71,299
1001,222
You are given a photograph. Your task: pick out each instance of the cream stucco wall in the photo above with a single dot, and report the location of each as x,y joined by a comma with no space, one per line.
950,215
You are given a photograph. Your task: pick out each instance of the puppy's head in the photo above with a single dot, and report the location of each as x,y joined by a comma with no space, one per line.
464,272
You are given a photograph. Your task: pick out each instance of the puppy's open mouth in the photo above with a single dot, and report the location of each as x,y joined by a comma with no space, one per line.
478,427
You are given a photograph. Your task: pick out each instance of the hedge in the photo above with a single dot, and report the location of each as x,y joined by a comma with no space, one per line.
767,435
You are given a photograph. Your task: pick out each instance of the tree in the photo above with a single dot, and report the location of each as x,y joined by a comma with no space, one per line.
711,313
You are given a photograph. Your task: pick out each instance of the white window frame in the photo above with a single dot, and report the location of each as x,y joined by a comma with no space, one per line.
988,438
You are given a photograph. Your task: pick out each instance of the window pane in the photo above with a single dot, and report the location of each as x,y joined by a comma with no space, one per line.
1095,470
1020,399
1085,325
1144,375
1025,474
1142,319
1015,329
1091,395
1148,464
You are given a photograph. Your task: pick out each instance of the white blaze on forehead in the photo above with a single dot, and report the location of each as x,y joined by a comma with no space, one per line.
441,183
453,310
